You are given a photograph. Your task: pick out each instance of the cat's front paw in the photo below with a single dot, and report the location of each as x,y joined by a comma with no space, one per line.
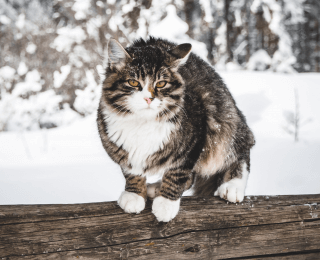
131,202
165,209
232,190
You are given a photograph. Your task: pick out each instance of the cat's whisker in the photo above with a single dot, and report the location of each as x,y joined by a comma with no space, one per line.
122,109
175,118
168,115
183,110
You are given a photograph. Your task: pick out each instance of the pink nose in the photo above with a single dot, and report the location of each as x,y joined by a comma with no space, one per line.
148,100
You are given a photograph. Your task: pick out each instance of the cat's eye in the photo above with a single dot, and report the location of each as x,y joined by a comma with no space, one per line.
161,84
133,83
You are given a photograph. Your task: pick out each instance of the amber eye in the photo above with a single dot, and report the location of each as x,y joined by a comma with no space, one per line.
161,84
133,83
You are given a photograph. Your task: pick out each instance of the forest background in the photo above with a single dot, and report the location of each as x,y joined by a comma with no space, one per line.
51,51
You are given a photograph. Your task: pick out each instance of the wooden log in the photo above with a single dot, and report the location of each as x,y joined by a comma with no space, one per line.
274,227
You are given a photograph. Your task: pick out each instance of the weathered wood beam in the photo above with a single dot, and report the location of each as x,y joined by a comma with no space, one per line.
275,227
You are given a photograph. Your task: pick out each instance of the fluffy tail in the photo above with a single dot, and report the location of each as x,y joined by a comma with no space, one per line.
206,186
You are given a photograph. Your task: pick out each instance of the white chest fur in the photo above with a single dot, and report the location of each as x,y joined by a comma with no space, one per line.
140,137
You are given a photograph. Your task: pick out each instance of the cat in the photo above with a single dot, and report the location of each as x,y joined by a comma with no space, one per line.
165,111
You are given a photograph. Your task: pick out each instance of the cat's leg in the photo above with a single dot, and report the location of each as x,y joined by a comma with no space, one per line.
235,182
166,206
133,199
153,189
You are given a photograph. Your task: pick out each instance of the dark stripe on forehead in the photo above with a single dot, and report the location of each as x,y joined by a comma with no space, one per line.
132,74
163,72
142,72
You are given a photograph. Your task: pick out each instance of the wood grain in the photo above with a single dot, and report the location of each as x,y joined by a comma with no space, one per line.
275,227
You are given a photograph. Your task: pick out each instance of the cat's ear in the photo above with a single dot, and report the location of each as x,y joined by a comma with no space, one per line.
117,55
180,53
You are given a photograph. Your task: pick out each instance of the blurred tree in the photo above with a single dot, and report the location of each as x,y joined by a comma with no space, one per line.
64,41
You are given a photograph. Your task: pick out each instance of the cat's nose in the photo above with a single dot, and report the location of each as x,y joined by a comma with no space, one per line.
148,100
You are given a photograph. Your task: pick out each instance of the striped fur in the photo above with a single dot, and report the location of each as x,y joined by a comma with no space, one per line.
190,131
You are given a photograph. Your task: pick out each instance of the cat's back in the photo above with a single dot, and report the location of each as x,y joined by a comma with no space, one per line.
199,74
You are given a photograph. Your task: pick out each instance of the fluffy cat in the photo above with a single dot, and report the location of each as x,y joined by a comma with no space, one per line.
165,111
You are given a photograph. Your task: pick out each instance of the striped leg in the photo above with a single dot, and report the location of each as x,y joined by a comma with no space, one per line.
166,206
132,200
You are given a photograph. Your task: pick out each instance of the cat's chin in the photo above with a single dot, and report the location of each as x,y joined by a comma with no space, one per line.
147,113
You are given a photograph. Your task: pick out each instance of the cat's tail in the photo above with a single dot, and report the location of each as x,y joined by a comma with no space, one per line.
207,185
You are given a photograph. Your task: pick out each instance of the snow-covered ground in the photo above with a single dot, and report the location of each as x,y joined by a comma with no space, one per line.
69,165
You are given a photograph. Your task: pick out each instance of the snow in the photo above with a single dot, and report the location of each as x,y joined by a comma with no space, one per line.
206,7
232,66
128,7
81,7
177,33
180,27
237,16
296,9
100,4
280,166
4,19
59,78
283,58
62,165
21,22
31,48
260,60
93,25
69,165
39,110
221,43
87,100
22,68
7,73
31,83
67,37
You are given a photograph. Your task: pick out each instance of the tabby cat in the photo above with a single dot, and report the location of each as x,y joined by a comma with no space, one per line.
165,111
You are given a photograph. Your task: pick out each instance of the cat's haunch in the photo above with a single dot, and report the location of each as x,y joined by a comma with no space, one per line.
165,111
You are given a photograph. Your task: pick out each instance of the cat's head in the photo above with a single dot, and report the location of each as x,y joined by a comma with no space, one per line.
143,79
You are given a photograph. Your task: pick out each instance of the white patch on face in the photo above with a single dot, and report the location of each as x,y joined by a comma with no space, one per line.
137,103
165,209
145,92
131,202
233,190
139,136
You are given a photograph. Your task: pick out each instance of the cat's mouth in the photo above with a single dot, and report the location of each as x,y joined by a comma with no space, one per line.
148,108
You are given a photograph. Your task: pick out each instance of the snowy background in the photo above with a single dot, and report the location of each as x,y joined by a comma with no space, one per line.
267,51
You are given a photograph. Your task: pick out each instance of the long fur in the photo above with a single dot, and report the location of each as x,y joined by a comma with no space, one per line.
194,133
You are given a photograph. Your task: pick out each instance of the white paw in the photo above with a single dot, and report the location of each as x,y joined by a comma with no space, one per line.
232,190
165,209
131,202
153,190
